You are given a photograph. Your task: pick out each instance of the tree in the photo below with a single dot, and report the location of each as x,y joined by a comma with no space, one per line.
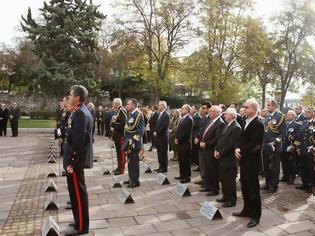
223,24
255,57
293,27
65,41
162,27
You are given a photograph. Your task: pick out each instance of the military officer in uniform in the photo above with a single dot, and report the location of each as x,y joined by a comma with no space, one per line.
275,131
289,148
306,151
117,131
134,130
79,156
300,117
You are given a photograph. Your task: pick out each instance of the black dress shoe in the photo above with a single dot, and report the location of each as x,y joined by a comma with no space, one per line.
75,232
301,187
184,181
126,182
264,187
157,169
284,179
203,190
200,182
117,173
212,193
133,185
272,190
220,200
240,214
196,170
162,171
178,177
74,225
252,223
228,204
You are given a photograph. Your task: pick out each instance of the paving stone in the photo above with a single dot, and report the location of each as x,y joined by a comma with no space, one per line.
297,226
171,225
138,229
120,222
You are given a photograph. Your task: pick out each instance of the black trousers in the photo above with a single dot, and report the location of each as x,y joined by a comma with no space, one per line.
121,157
133,166
272,169
251,193
228,183
195,154
288,162
184,162
307,169
14,128
3,127
79,199
211,172
162,147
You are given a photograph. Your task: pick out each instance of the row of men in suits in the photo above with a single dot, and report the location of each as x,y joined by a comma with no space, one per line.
103,118
222,144
9,114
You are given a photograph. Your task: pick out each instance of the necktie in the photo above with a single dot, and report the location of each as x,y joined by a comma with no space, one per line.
210,124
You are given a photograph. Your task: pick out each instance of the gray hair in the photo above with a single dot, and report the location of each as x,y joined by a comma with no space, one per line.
217,109
231,111
164,104
117,101
253,103
291,112
187,107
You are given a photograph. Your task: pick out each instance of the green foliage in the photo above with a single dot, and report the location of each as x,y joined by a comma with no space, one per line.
65,41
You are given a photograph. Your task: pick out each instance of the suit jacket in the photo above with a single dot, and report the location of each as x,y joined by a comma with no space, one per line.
227,143
197,125
15,113
184,133
80,139
153,120
250,144
162,125
211,136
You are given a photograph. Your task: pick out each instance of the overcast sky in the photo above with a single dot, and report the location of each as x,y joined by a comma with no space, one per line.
11,11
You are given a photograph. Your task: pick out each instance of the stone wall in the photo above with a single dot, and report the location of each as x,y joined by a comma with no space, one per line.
29,103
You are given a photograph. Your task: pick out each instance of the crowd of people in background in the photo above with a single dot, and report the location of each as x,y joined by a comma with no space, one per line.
9,113
220,142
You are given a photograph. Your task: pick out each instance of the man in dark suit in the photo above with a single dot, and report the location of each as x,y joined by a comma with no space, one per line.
14,116
183,139
98,117
161,134
152,124
79,155
195,147
224,153
134,129
117,125
208,143
205,107
248,152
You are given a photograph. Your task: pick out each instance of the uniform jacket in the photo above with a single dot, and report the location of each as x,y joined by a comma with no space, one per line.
293,133
307,136
118,122
134,130
80,139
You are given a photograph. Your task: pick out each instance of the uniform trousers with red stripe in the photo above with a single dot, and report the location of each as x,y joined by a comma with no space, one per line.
79,199
121,158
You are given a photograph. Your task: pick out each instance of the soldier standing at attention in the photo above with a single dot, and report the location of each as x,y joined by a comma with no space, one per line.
117,130
275,131
134,130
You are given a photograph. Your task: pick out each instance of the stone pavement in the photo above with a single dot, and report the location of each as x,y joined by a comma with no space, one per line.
157,209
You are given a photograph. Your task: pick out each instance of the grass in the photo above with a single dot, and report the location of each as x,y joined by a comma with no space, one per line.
30,123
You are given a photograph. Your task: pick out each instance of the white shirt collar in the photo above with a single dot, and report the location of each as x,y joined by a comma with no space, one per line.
214,120
248,120
231,122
